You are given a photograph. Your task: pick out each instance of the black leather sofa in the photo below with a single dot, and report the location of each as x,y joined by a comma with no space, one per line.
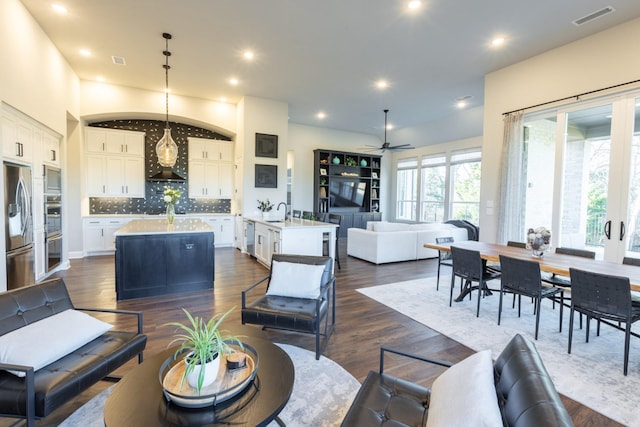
41,392
526,395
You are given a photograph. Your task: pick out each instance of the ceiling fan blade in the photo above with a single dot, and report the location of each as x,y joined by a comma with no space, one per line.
401,147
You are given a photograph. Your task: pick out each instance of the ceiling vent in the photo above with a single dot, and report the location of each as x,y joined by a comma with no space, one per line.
593,16
118,60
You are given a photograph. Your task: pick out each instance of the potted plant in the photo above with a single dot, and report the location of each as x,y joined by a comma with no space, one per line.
265,207
205,345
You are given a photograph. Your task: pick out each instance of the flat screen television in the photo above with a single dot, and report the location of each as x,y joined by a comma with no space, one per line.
347,193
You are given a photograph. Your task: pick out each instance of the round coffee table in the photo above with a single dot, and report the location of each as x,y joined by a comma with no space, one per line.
138,399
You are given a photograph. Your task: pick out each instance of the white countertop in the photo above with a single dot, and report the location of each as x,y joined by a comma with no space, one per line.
292,223
161,226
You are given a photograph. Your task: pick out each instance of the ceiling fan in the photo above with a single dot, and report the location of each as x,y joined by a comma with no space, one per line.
387,145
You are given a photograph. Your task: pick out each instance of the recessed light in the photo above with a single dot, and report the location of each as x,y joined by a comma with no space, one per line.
321,115
463,101
223,99
85,52
414,4
233,81
498,41
100,79
389,126
382,84
248,55
59,8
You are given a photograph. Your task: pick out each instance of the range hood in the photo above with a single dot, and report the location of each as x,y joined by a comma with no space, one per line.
166,175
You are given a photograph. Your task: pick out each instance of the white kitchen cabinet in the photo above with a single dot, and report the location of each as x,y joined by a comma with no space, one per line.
50,149
267,242
98,233
223,229
17,138
210,169
210,149
115,163
114,141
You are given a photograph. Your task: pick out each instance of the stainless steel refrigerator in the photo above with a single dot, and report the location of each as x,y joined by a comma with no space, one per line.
18,225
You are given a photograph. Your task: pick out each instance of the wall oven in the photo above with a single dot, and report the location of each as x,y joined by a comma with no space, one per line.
53,229
52,180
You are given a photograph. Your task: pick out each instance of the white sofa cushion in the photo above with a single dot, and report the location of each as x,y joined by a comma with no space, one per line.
468,383
381,247
45,341
291,279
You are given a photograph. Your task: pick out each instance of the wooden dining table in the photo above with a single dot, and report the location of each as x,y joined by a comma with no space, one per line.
550,262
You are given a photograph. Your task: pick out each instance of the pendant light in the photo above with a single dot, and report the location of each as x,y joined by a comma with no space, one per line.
166,148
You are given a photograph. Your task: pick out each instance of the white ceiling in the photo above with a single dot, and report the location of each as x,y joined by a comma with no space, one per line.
319,54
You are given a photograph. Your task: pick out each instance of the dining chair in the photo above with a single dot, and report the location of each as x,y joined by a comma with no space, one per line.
635,295
444,257
469,267
496,265
307,215
296,214
336,219
603,297
522,277
557,280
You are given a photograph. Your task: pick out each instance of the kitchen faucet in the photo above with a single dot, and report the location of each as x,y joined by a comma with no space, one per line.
285,209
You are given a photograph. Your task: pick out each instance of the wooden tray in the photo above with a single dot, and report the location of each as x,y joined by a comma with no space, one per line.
228,383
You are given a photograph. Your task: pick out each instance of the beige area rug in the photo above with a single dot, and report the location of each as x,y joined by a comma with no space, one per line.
322,394
591,374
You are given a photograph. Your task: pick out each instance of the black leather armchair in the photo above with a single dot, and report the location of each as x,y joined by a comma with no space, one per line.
314,316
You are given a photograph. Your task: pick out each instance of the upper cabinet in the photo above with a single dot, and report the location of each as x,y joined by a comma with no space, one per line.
51,150
115,163
17,138
210,169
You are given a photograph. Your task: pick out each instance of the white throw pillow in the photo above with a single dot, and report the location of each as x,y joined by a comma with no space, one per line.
468,384
45,341
290,279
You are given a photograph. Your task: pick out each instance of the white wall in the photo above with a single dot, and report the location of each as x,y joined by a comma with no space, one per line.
304,139
604,59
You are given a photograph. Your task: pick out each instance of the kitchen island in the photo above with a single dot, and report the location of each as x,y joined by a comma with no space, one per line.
157,258
294,236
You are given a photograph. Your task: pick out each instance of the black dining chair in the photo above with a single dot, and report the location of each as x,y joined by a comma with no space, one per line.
522,277
563,281
444,257
469,267
296,214
603,297
307,215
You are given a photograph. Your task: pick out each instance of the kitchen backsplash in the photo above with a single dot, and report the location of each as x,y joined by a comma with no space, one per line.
153,202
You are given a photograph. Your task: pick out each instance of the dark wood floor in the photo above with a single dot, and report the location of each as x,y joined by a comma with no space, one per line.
363,325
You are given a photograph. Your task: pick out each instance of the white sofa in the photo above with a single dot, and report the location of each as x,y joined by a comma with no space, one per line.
384,242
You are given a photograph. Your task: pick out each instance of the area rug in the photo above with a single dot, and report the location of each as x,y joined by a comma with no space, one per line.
322,394
591,374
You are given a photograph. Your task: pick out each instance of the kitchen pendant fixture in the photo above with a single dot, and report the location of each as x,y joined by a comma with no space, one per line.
166,148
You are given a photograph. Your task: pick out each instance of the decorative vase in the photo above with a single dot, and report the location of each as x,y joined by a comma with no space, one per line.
336,160
210,373
363,163
171,213
537,253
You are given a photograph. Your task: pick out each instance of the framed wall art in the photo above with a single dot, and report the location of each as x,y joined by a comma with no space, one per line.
266,145
266,176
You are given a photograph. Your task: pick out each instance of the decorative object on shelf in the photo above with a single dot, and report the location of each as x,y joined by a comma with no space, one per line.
374,193
349,174
538,240
171,197
323,181
206,346
336,160
323,171
266,145
363,163
323,193
350,161
266,176
374,175
166,148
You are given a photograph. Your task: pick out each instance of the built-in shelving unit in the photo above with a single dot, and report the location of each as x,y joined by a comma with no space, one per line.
347,184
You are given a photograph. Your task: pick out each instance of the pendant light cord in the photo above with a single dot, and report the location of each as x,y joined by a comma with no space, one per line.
167,54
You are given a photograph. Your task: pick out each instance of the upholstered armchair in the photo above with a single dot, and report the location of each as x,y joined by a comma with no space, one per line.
300,296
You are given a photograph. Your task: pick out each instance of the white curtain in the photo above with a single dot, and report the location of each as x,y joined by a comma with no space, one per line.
511,203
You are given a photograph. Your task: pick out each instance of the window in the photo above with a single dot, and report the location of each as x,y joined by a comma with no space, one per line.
446,186
465,185
407,194
434,177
